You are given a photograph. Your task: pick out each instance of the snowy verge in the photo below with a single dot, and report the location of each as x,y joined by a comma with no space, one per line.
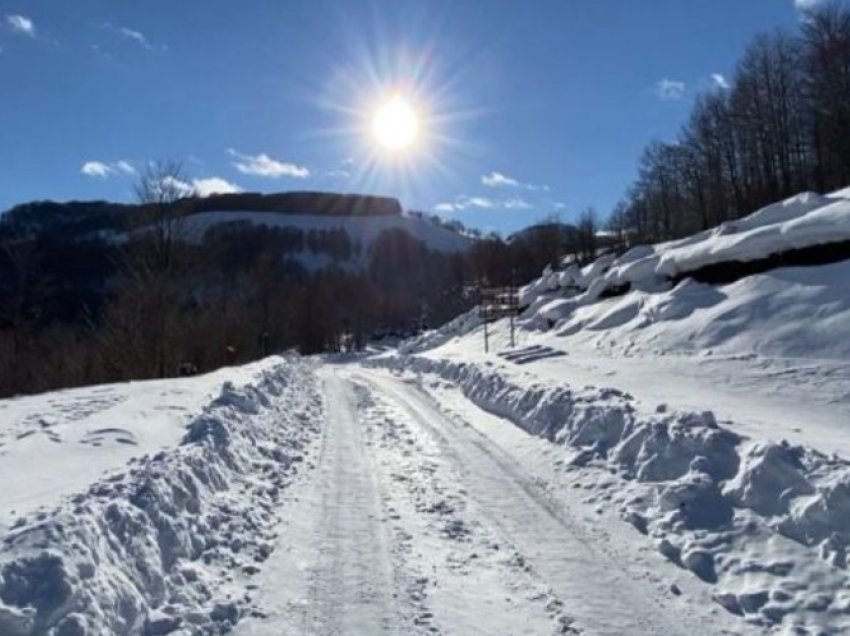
162,545
766,524
455,328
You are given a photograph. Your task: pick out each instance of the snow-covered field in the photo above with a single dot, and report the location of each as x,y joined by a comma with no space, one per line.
670,459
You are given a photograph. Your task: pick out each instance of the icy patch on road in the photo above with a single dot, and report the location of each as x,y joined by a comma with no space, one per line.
164,544
768,524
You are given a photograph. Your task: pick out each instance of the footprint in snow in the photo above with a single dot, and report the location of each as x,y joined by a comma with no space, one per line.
106,435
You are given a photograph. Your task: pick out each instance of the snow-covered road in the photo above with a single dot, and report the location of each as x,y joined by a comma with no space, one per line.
330,573
415,520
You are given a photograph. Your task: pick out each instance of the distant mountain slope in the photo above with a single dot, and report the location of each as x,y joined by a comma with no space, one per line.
361,217
103,215
361,229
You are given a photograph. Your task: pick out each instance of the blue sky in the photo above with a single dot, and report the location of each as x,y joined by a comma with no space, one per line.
527,108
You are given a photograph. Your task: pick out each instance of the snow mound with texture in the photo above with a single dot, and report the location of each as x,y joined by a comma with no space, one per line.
644,297
153,548
765,523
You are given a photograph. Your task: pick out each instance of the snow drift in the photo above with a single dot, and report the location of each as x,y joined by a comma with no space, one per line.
161,545
767,523
648,298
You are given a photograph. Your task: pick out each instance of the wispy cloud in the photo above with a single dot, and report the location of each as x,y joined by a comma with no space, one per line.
805,5
102,170
719,81
670,90
134,35
464,202
497,179
21,24
516,203
263,165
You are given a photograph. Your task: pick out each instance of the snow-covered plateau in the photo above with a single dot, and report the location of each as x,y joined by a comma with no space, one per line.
663,450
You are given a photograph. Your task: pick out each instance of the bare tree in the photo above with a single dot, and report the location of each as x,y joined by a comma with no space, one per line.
139,327
587,227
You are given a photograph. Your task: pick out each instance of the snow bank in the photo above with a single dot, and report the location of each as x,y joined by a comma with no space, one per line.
644,298
768,524
455,328
160,545
803,221
788,312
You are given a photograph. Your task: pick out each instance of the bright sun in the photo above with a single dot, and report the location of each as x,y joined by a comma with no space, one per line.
395,124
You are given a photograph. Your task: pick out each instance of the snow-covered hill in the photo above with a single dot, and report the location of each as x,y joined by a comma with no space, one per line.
647,297
699,389
362,230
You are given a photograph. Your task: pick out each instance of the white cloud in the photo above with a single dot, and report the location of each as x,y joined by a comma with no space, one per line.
96,169
496,179
719,80
804,5
214,185
21,24
136,36
204,187
124,166
263,165
132,34
670,90
516,203
478,202
169,185
102,170
463,202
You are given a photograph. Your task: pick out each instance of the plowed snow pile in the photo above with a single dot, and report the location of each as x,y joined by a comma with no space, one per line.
763,520
165,541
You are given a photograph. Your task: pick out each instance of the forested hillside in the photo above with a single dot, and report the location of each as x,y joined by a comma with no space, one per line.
779,127
102,292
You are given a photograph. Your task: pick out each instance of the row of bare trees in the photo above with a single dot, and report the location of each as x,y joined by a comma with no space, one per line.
781,126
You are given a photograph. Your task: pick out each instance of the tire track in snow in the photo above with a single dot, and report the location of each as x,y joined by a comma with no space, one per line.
602,597
460,577
352,582
330,573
